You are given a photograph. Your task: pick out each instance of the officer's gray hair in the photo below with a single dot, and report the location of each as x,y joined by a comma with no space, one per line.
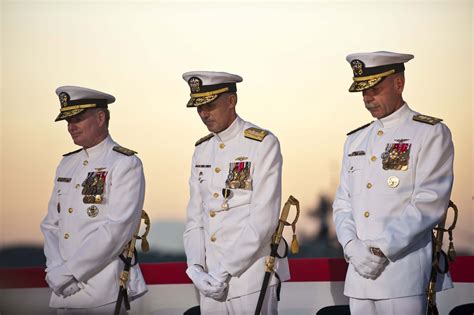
106,113
233,93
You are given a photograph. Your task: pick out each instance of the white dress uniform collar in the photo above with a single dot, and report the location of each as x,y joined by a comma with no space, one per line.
232,131
99,148
395,118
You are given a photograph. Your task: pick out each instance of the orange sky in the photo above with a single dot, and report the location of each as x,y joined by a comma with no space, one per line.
291,56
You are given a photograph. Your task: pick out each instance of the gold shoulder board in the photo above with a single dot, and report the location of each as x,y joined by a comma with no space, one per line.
123,150
255,133
204,139
360,128
427,119
73,152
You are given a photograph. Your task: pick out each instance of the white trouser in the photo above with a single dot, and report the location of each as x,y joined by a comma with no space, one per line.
101,310
413,305
242,305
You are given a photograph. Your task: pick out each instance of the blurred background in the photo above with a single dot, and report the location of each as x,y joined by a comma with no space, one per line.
291,55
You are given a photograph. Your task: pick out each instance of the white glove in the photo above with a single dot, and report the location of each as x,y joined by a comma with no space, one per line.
71,289
206,284
58,278
365,263
220,274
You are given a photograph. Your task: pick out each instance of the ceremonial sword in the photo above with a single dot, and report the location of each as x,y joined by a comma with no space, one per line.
127,260
276,238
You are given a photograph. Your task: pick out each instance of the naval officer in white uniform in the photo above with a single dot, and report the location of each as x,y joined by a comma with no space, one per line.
235,196
396,180
93,211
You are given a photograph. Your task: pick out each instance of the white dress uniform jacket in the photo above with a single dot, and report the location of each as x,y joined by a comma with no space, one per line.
89,245
238,238
394,209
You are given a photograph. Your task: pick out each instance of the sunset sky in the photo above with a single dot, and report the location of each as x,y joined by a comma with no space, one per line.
291,55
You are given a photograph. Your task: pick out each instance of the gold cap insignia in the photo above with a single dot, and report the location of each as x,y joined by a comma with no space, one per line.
357,67
63,98
195,84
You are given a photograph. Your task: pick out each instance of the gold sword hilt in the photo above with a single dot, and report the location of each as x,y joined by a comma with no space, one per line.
278,235
131,245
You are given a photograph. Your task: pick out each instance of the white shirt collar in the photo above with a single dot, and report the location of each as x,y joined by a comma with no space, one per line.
232,131
98,148
394,118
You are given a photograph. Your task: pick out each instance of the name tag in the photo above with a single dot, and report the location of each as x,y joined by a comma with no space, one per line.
356,153
202,166
64,179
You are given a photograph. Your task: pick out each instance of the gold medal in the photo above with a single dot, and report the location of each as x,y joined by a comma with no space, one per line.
88,199
248,185
235,184
239,175
226,193
393,181
93,186
396,156
92,211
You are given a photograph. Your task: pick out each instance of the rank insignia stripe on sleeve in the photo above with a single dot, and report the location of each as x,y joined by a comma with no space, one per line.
124,151
255,134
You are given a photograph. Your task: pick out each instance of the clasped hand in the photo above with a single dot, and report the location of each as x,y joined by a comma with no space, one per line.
61,281
206,283
365,263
